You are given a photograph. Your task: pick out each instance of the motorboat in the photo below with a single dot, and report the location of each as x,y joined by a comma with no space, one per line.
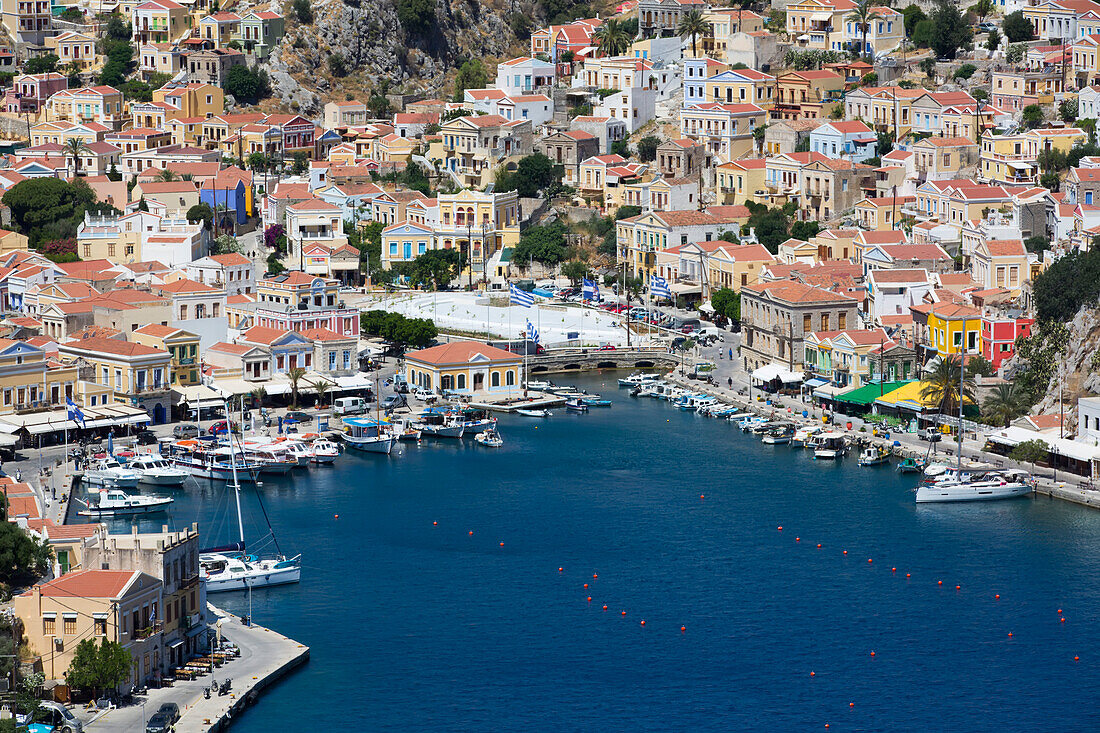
778,435
575,406
595,402
296,449
370,436
324,451
739,417
981,486
109,472
204,460
404,429
762,427
157,471
541,385
226,572
112,502
702,404
830,446
490,438
438,424
636,379
908,465
873,455
270,459
534,413
801,437
475,421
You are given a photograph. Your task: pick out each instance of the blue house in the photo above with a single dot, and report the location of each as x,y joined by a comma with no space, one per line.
230,191
848,139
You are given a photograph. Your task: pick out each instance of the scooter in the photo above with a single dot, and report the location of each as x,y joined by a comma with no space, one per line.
224,689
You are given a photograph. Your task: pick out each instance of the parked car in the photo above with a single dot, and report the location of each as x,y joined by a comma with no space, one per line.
607,347
424,395
146,437
159,723
221,426
299,416
171,710
394,401
185,430
987,26
349,405
59,717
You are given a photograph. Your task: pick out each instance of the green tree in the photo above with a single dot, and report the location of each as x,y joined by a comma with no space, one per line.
321,387
75,147
804,230
772,225
965,71
416,16
575,270
48,209
98,668
1036,244
612,38
1030,451
861,16
294,376
521,28
952,32
435,268
202,212
300,164
22,557
1032,116
979,365
727,303
45,64
226,244
982,8
247,85
993,40
302,11
257,161
620,147
27,701
337,65
940,385
1004,405
1015,53
533,173
543,244
259,394
274,266
379,106
471,75
912,15
692,23
647,148
1017,28
1067,110
924,33
928,66
1070,282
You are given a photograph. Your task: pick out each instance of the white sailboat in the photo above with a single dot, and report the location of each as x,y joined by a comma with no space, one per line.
227,569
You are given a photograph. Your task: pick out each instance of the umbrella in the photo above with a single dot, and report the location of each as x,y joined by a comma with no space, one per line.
111,443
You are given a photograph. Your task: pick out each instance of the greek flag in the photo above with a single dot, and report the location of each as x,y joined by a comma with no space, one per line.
590,289
532,333
73,410
658,287
520,297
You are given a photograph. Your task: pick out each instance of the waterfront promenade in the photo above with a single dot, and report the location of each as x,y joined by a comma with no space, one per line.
266,656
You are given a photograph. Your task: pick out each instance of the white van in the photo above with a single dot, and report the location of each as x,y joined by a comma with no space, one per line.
349,405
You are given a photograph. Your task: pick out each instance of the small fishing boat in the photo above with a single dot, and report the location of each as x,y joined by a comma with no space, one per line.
830,446
489,438
873,456
534,413
112,502
802,436
109,472
475,421
203,460
778,435
540,385
324,451
156,470
575,406
367,435
435,423
405,430
270,459
595,402
908,465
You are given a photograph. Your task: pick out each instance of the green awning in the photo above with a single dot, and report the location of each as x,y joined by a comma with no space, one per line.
868,393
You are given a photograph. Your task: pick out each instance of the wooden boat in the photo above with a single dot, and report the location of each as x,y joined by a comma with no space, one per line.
575,406
909,465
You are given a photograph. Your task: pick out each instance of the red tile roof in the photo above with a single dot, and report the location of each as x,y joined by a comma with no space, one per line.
459,352
88,584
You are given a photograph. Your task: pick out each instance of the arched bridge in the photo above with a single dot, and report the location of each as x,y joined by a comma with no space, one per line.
575,360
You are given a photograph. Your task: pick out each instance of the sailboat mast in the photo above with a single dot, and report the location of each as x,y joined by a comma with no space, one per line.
962,380
236,483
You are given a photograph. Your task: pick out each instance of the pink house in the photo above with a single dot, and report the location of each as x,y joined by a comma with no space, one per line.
999,334
29,92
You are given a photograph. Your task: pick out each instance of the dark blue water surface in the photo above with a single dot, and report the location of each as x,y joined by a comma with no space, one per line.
415,626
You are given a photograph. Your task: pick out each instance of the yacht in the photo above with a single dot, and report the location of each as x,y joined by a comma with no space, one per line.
156,470
636,379
109,472
542,386
225,572
979,486
112,502
533,413
324,451
370,436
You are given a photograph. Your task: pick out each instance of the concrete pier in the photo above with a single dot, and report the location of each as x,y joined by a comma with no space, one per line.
266,657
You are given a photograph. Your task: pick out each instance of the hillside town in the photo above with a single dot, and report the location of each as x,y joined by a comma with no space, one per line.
861,199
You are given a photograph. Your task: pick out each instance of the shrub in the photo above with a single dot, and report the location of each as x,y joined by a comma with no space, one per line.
302,11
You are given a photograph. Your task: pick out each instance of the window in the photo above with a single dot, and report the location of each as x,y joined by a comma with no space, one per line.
807,320
842,321
824,321
70,624
494,379
49,625
100,626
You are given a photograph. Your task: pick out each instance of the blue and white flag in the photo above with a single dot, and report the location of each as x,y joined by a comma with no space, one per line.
658,287
517,296
532,333
590,289
74,412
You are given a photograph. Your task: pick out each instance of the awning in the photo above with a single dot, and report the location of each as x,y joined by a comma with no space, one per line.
355,381
804,37
828,392
790,377
815,382
821,16
868,393
1010,437
684,288
767,372
175,644
198,395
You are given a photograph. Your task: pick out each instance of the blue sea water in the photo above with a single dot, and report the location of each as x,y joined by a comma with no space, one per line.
416,626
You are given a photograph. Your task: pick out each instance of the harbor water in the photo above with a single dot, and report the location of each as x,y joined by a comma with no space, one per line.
432,600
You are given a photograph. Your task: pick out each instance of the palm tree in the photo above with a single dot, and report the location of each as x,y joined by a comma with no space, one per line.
294,375
612,38
74,148
1005,404
861,15
258,395
165,176
692,23
321,387
940,385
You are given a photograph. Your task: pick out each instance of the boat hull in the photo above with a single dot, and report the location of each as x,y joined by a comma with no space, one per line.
441,431
279,576
161,480
982,491
125,511
827,454
371,445
127,482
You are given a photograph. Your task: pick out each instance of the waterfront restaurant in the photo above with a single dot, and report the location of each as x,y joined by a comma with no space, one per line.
465,367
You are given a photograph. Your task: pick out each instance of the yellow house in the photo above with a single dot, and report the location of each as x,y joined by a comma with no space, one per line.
73,48
465,367
741,86
12,242
730,265
159,21
27,380
724,24
818,23
882,213
946,326
394,148
138,374
739,180
1000,263
1014,159
192,100
182,345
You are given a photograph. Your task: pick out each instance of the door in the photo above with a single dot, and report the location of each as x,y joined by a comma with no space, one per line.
158,414
479,381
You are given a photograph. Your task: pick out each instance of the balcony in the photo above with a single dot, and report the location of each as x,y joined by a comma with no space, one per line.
149,631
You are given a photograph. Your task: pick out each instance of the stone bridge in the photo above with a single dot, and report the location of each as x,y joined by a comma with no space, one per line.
576,360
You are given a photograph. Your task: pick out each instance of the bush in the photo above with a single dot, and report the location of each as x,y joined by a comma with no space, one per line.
544,244
620,147
965,71
1015,53
247,85
1017,28
41,64
416,16
647,148
302,11
336,65
398,329
49,209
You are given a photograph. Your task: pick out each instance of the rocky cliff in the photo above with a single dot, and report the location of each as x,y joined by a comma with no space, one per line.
379,51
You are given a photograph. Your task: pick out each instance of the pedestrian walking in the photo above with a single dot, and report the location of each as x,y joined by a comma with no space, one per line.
730,381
